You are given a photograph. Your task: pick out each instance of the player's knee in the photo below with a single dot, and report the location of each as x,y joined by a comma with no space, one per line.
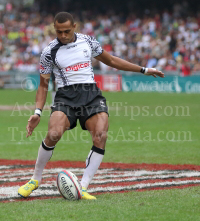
54,135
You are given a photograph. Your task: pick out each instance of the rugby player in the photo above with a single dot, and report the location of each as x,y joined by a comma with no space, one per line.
78,97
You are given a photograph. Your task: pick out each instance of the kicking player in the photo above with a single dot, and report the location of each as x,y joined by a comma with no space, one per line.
78,97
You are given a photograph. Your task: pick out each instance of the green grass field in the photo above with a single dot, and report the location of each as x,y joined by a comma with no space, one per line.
146,128
170,205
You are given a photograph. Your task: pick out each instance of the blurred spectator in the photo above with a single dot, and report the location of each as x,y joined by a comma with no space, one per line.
172,43
185,70
168,40
151,62
196,66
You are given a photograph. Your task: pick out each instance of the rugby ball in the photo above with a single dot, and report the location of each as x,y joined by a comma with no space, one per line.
68,185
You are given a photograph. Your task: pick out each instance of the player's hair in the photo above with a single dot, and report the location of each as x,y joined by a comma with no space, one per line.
62,17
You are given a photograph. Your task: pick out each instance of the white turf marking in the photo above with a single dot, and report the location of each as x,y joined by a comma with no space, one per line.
5,167
144,178
29,172
142,186
79,171
135,175
97,180
103,176
12,192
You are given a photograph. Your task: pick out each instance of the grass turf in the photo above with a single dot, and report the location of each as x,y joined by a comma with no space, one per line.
133,133
170,205
160,205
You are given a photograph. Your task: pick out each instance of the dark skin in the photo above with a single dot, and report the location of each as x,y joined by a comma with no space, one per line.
65,31
98,124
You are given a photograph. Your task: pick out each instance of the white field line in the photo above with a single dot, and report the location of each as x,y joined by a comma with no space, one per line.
174,176
7,193
142,186
100,182
5,167
120,176
134,176
140,173
28,172
79,171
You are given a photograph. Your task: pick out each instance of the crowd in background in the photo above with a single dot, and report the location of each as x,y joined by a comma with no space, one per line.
167,40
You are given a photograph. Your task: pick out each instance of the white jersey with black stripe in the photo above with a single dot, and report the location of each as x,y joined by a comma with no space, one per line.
70,63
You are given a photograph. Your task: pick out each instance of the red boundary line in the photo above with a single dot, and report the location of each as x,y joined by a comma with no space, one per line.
78,164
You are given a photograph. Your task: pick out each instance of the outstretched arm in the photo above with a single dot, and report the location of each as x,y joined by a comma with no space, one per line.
40,101
121,64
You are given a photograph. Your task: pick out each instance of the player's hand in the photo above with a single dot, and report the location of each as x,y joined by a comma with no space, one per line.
155,73
32,124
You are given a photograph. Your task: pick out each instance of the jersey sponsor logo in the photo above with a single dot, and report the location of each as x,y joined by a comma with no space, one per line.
77,66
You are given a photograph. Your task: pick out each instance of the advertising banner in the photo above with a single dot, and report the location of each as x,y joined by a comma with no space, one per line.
108,82
104,82
175,84
99,80
112,82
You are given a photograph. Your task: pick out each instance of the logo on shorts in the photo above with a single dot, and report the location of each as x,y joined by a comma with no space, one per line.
102,104
86,53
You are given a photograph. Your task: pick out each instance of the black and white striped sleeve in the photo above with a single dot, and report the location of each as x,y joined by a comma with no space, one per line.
96,47
46,63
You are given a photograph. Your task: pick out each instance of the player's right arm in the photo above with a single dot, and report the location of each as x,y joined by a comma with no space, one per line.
40,102
42,92
45,70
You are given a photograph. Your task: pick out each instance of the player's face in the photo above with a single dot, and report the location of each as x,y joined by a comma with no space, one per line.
65,31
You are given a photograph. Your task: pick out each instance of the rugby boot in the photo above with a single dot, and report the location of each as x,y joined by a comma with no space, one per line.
86,195
28,188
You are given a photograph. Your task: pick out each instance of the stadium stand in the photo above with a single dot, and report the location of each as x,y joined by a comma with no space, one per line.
167,40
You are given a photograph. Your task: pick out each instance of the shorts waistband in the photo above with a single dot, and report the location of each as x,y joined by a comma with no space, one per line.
77,85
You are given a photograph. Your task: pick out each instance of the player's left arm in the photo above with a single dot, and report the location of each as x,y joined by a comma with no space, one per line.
124,65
